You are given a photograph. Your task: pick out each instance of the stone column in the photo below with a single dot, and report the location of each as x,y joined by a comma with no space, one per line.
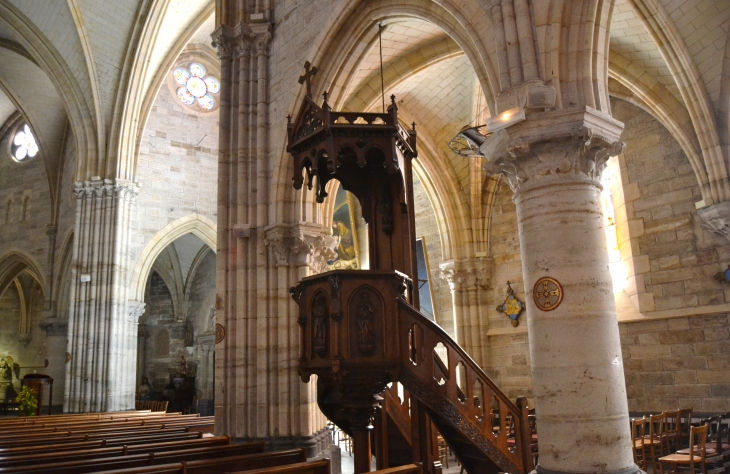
258,394
468,280
553,165
56,339
99,375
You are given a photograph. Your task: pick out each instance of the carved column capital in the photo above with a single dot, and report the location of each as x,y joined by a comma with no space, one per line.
314,251
277,242
716,218
103,188
552,146
466,274
223,42
135,310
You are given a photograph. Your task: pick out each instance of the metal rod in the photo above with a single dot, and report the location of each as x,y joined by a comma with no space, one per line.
382,79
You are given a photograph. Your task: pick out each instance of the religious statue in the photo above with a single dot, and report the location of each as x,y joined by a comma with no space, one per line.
6,371
144,389
365,316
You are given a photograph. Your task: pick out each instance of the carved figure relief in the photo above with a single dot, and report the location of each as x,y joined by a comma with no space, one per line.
365,315
319,324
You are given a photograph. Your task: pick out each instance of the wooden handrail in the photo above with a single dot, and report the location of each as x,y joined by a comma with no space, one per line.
418,375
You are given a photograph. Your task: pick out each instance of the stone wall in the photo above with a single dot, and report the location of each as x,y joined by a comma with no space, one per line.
680,362
177,168
508,360
25,232
661,191
159,321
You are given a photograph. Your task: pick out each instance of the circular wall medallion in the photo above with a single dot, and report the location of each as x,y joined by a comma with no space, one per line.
547,294
220,333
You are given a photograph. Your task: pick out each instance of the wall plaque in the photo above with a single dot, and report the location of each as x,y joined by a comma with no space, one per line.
547,294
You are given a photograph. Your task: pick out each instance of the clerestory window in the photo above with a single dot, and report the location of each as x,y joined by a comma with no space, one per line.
24,146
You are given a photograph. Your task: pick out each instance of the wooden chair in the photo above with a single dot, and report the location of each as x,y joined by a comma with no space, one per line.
725,441
638,430
346,440
532,422
698,440
192,409
443,451
685,421
672,427
654,441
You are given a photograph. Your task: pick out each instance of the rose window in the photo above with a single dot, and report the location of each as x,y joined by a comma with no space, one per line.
24,144
195,86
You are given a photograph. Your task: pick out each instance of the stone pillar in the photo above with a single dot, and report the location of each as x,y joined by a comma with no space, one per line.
468,281
100,372
56,339
258,394
553,165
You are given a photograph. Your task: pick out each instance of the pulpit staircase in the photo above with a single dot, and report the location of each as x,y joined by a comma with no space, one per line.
487,432
361,330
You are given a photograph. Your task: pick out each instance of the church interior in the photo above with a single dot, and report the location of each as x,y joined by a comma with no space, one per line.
474,222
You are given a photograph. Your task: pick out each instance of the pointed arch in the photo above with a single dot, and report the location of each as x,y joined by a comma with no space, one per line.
13,263
61,76
195,224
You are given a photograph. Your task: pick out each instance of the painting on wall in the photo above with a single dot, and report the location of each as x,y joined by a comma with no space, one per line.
425,293
344,230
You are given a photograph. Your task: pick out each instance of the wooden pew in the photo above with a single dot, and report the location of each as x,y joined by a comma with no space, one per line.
204,461
88,435
114,439
311,467
41,457
81,416
407,469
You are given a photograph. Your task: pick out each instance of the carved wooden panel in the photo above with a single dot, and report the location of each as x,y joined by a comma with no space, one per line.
366,326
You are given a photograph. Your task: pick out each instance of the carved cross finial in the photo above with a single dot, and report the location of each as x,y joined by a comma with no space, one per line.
307,77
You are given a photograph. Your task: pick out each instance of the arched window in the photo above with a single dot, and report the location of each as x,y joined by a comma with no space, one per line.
609,224
24,146
197,87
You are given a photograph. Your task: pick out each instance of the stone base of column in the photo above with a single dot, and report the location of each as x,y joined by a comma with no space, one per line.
318,446
630,470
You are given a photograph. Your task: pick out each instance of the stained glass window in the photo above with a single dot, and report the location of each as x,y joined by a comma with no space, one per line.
196,87
24,144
